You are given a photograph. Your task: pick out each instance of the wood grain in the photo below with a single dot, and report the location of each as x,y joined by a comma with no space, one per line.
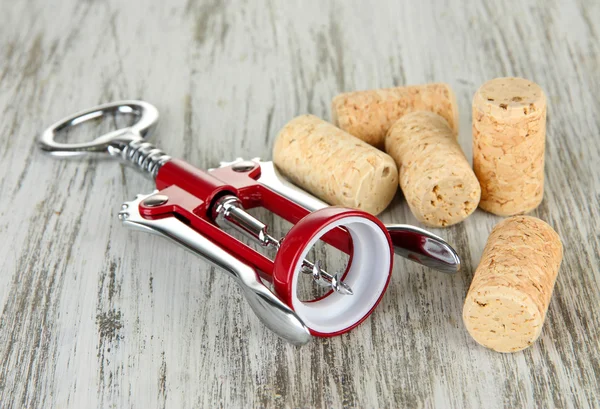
93,315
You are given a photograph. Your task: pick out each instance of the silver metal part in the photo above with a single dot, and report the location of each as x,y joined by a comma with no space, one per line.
324,279
270,177
277,316
228,212
154,200
127,144
409,242
424,247
243,166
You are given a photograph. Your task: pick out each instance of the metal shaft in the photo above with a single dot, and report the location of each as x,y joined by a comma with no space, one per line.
324,279
229,212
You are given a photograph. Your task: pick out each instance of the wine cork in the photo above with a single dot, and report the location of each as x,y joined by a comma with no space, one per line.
510,292
436,179
335,166
368,115
509,135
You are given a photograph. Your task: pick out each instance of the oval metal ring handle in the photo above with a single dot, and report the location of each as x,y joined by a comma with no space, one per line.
146,113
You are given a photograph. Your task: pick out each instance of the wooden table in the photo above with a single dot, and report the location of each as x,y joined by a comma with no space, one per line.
94,315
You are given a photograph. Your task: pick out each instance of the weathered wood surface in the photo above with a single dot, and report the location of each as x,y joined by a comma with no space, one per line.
93,315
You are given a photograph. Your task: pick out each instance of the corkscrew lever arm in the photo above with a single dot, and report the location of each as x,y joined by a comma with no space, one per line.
276,315
410,242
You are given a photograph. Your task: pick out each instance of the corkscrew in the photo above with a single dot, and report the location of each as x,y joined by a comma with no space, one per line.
200,210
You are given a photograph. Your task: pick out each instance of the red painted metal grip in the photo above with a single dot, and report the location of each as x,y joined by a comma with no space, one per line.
192,191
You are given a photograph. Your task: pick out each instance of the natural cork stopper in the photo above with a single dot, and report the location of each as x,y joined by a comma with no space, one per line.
510,292
438,182
335,166
509,135
368,115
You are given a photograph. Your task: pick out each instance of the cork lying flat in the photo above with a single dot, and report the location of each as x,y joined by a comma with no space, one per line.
368,115
509,135
335,166
509,296
436,179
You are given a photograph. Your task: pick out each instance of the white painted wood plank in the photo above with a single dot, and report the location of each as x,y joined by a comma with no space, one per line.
97,316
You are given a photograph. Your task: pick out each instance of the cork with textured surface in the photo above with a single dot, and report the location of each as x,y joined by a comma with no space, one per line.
335,166
507,302
509,135
368,115
436,179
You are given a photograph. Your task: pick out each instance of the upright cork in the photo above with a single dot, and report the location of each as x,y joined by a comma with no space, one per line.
438,182
510,292
368,115
335,166
509,135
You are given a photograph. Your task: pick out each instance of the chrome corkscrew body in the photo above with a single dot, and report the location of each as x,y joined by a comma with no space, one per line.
193,208
129,144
